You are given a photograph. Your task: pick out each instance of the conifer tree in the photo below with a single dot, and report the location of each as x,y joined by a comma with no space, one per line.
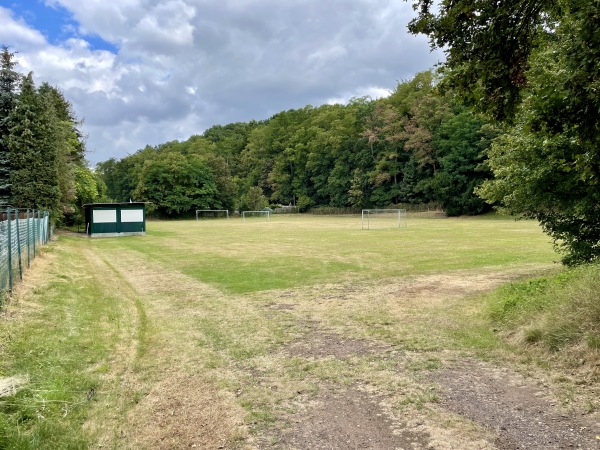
68,141
9,81
33,150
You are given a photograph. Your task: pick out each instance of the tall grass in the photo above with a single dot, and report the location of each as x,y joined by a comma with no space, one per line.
558,313
61,340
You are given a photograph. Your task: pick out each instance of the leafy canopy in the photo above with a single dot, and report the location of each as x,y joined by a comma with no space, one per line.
533,65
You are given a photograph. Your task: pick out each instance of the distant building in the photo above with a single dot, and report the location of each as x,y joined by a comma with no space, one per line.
115,219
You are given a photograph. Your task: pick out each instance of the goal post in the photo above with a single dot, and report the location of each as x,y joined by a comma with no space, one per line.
383,218
266,215
211,213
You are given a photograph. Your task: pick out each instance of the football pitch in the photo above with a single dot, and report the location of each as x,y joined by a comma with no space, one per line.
253,334
294,250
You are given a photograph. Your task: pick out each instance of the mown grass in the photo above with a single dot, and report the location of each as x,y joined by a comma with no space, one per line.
291,251
60,340
195,297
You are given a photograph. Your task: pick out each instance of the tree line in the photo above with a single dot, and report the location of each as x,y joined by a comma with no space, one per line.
42,151
416,146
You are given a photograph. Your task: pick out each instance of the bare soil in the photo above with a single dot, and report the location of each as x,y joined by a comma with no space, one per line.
511,411
349,418
478,406
520,412
324,345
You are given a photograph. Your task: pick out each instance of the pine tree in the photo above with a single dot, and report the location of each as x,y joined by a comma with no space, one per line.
9,81
70,158
33,150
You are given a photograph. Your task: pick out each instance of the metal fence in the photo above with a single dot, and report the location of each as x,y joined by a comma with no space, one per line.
22,233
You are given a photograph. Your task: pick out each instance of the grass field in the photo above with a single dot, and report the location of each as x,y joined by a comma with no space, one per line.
215,333
292,251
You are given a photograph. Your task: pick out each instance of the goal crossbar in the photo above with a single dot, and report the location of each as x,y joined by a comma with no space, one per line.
267,214
199,211
397,217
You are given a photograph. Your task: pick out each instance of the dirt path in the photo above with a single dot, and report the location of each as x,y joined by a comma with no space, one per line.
475,406
520,412
333,367
495,407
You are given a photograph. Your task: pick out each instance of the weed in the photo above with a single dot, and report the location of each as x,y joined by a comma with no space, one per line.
593,342
533,336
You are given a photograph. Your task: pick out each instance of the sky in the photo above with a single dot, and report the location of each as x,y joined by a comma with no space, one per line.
146,72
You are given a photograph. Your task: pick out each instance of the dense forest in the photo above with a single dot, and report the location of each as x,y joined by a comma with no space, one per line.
416,146
42,152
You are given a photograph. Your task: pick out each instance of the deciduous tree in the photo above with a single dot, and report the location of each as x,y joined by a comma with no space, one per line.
534,65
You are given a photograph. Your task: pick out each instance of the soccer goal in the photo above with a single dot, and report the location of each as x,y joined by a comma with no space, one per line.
383,218
265,215
211,214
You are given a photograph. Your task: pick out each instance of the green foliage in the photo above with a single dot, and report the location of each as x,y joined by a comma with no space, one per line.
9,81
487,47
177,184
546,165
33,151
89,188
41,149
363,154
535,65
254,200
70,151
462,142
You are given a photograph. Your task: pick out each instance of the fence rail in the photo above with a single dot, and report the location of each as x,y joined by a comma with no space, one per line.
22,233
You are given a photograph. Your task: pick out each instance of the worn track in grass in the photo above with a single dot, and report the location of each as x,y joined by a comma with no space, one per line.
367,363
329,373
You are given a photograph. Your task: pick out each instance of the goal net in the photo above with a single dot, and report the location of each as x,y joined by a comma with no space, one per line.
211,214
383,218
264,215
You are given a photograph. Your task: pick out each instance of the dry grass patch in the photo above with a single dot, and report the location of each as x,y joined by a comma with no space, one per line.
9,386
182,411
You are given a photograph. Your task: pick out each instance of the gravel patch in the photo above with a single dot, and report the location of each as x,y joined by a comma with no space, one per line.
515,408
348,419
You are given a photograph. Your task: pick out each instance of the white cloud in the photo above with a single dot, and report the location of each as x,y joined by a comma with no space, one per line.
185,65
372,92
17,33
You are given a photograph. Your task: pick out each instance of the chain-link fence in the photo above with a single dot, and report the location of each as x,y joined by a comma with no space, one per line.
22,233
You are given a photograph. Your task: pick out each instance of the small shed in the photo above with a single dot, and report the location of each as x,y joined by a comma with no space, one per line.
115,219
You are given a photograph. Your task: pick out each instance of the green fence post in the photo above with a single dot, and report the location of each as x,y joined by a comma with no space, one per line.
19,244
28,242
46,227
44,230
3,274
10,274
42,227
34,232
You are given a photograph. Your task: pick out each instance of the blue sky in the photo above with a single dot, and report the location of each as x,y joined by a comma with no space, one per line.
144,72
54,21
